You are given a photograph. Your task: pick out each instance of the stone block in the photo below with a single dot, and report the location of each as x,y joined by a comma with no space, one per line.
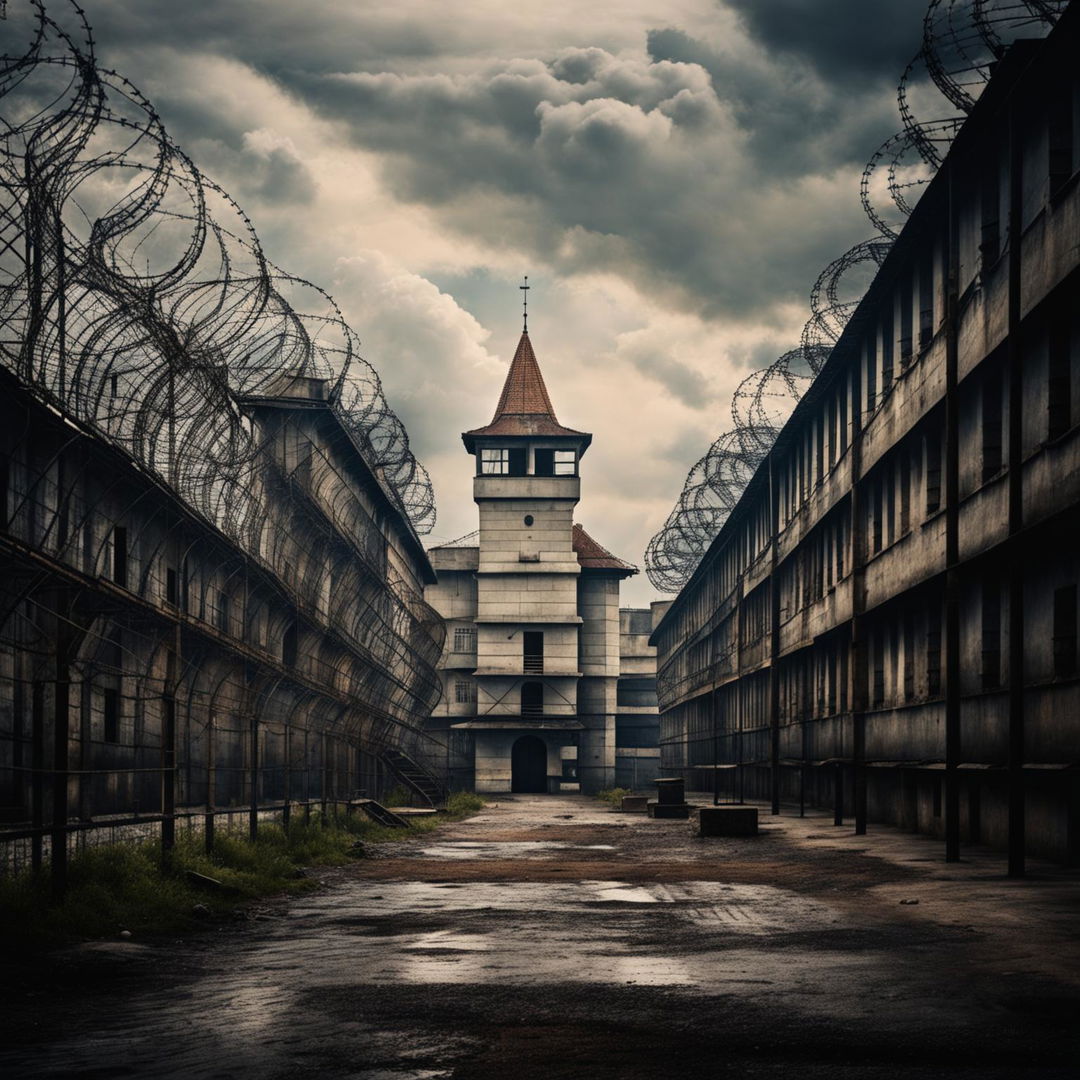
724,821
635,804
668,810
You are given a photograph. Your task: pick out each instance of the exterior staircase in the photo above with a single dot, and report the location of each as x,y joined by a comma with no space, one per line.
415,777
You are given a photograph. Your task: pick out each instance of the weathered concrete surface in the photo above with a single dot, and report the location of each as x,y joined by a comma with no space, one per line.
549,937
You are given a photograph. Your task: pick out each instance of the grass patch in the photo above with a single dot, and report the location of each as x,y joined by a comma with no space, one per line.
613,796
125,886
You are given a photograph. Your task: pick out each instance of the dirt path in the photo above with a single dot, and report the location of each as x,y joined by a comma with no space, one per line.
548,937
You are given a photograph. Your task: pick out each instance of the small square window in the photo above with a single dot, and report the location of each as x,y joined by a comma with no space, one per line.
565,462
495,462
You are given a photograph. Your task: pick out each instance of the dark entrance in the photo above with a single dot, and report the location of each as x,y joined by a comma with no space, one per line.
528,765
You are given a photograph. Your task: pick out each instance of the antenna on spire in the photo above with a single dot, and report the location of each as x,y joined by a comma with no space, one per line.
525,305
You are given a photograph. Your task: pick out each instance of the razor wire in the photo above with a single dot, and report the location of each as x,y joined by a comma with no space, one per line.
961,41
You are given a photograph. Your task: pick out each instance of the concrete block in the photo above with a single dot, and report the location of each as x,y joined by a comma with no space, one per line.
724,821
635,804
668,810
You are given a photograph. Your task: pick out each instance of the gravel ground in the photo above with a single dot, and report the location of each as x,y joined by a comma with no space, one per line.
548,937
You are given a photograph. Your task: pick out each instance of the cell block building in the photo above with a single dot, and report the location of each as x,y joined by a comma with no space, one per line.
887,623
531,602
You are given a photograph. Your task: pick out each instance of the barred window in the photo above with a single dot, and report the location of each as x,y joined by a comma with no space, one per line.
464,692
464,639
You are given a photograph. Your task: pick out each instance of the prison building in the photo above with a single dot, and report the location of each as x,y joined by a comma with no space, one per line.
886,625
531,603
637,719
160,665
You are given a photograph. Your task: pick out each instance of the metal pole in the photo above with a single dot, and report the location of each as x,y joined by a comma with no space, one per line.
211,784
1017,823
61,735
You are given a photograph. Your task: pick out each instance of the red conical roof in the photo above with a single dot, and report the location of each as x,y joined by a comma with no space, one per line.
524,406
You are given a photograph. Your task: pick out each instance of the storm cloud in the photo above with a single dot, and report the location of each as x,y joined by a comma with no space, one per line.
672,183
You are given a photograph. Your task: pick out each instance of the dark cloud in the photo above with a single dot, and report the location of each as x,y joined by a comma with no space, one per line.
845,40
718,172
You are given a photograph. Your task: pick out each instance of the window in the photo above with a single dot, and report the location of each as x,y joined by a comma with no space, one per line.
495,462
172,591
289,645
933,472
991,426
1059,388
555,462
933,662
111,710
926,301
533,652
990,247
907,302
565,463
528,520
886,353
532,699
464,639
1065,630
1061,138
223,612
635,693
905,491
877,496
991,635
877,691
909,657
464,692
120,556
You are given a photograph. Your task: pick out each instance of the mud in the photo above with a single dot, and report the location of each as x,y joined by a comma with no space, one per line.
527,944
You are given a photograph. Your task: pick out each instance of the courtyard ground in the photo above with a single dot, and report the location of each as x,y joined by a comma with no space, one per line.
550,937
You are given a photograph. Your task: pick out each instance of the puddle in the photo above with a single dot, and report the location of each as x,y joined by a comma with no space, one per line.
470,849
530,933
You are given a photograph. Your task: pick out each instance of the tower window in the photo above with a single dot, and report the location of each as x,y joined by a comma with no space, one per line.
533,652
532,699
502,461
555,462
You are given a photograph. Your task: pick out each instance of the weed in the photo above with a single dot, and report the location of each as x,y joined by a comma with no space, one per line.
613,796
128,886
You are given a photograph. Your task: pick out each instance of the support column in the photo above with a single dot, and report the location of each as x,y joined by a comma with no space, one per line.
774,643
37,773
952,535
253,782
1017,824
858,656
211,784
58,855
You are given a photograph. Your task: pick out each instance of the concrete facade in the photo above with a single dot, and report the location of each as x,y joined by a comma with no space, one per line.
887,623
531,602
162,666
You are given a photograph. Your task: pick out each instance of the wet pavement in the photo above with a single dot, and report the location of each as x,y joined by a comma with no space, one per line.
549,937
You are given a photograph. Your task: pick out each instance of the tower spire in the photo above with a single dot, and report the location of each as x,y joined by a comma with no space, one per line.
525,305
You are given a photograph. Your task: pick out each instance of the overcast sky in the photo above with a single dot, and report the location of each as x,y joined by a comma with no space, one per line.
671,178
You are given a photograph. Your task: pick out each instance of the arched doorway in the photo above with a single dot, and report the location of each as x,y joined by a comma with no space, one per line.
528,765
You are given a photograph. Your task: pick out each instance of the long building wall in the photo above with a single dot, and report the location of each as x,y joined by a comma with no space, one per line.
887,623
152,664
